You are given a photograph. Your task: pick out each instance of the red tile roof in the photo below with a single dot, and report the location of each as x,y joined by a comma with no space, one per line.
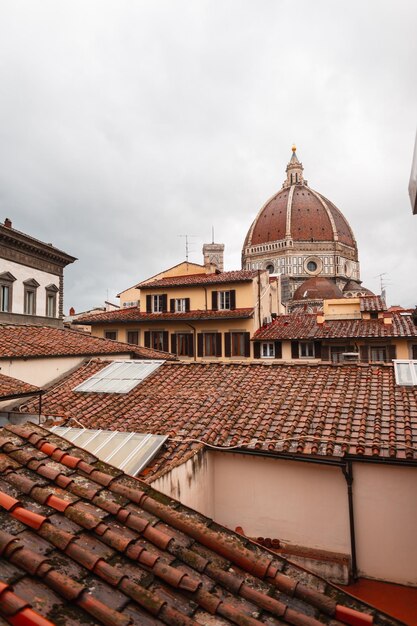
133,314
83,543
200,279
305,326
12,387
24,341
373,303
317,409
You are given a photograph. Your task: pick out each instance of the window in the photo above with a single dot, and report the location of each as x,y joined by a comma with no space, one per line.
6,291
311,266
405,372
378,353
224,300
110,334
270,268
182,344
119,376
157,340
30,287
51,291
209,344
5,298
306,349
133,337
268,350
179,305
157,304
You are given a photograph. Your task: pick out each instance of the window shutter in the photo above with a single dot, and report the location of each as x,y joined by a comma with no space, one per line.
317,349
187,304
165,341
200,339
218,344
415,352
174,343
247,344
278,350
294,349
214,304
172,305
227,346
392,352
364,353
325,353
164,299
232,299
256,350
149,304
147,338
190,345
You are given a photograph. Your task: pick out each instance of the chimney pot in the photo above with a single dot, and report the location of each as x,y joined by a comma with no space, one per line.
8,223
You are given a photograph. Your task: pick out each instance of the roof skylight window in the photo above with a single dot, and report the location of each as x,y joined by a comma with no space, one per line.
118,377
405,372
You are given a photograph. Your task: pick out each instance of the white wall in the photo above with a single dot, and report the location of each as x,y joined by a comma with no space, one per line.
22,273
42,371
385,504
191,483
300,503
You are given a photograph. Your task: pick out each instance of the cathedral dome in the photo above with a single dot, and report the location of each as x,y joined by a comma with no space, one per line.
298,234
299,213
317,288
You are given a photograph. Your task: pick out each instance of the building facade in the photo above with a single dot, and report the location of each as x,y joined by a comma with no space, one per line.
300,234
31,279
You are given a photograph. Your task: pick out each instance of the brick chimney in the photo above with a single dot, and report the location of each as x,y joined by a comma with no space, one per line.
7,223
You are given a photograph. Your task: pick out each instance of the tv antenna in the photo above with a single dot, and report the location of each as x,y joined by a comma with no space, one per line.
383,283
187,245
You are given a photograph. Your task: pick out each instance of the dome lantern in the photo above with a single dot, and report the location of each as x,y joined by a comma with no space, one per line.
294,171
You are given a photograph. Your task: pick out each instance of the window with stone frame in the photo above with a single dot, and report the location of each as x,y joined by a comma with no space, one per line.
182,344
133,337
110,334
51,300
29,298
6,292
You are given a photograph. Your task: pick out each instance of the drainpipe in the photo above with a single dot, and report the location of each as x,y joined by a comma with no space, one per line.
205,296
195,339
40,408
348,474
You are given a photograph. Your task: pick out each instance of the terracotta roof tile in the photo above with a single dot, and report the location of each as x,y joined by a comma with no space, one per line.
180,568
25,341
305,326
321,409
133,314
373,303
12,387
200,279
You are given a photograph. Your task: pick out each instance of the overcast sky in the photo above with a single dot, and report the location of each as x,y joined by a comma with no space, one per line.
126,124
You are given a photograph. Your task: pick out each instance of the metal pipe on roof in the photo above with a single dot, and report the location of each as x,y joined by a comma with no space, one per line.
348,474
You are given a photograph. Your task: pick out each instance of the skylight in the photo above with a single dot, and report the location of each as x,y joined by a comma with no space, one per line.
405,372
119,377
130,452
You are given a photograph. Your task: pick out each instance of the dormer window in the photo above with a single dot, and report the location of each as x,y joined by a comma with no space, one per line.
30,287
406,372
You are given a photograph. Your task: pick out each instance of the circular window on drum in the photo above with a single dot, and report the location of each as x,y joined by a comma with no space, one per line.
313,266
270,268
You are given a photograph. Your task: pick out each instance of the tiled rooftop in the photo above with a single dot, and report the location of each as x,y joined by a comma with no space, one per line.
81,543
24,341
10,387
133,314
318,409
373,303
305,326
200,279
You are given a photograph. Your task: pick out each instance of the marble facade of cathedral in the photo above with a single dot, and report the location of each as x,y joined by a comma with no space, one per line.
299,234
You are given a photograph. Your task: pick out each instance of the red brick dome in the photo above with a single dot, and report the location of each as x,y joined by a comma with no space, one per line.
317,288
302,214
299,213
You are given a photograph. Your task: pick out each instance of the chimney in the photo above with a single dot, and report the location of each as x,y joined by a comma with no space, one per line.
72,311
213,255
7,223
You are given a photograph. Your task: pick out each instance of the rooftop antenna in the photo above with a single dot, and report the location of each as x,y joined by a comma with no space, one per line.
212,234
383,283
187,246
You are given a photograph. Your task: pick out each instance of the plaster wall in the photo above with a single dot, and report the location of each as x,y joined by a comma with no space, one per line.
295,502
385,505
22,273
191,483
42,371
